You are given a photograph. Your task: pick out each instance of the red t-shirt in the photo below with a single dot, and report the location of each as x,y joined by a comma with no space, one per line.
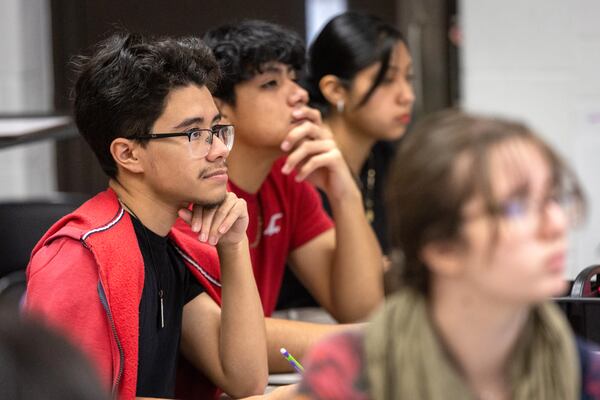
291,215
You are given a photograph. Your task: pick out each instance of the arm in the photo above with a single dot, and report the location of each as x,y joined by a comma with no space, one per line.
279,393
228,344
335,266
297,337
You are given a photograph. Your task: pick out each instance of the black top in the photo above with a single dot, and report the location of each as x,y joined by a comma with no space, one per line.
379,160
159,347
293,294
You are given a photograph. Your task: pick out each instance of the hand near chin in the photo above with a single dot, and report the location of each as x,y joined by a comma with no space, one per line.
315,156
221,225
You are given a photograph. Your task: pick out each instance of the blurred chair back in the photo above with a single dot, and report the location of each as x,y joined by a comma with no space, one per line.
22,223
586,283
582,307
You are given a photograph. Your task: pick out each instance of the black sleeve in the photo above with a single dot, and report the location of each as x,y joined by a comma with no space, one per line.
192,288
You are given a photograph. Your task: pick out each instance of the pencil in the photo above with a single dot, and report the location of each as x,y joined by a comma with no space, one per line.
297,366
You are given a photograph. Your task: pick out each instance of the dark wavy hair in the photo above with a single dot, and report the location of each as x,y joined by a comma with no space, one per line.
428,189
121,88
347,44
243,49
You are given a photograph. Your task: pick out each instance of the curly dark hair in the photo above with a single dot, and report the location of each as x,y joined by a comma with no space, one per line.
121,88
243,49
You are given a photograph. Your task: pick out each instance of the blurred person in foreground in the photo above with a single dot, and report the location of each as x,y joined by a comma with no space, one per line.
37,363
479,213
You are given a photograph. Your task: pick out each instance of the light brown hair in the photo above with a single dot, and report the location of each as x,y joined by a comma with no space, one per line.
425,195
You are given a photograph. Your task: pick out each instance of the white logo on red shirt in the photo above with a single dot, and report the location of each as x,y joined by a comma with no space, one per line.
272,227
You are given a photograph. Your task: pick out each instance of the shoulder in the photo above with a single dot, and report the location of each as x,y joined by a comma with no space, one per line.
589,356
57,257
334,368
61,274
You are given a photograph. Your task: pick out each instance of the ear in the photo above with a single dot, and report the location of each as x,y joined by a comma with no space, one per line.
443,257
126,153
226,110
332,89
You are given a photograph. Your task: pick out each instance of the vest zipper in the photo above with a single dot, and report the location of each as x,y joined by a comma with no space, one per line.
104,302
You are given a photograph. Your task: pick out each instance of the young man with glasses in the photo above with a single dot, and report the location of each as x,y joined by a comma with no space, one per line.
113,276
282,150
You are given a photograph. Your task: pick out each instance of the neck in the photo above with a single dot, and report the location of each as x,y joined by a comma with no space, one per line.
471,325
354,145
249,166
154,213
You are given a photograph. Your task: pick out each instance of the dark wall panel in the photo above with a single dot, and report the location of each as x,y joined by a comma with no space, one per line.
77,25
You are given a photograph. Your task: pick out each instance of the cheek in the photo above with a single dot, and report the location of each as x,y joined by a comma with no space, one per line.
378,120
518,267
263,120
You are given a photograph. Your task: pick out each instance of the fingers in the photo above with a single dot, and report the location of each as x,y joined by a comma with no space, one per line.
219,215
196,218
236,214
214,223
302,156
192,217
206,224
306,113
309,127
314,163
185,215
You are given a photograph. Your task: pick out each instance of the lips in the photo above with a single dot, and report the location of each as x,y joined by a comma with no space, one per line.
405,119
556,262
213,173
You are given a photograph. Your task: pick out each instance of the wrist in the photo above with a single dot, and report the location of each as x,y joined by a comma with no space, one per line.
346,193
227,248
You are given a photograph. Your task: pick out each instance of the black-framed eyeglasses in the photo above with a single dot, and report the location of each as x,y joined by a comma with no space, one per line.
200,139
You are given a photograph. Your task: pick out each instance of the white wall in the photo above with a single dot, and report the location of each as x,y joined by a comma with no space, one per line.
319,12
539,61
26,86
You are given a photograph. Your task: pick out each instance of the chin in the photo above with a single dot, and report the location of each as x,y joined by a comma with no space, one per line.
211,201
559,288
553,288
393,134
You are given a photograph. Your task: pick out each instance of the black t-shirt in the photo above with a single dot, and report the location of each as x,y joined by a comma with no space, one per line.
158,347
293,293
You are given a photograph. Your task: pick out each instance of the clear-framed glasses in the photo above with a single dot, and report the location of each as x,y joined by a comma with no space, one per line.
525,210
200,139
522,209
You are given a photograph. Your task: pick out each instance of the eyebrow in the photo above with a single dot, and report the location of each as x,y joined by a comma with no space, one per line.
520,189
270,68
196,121
396,68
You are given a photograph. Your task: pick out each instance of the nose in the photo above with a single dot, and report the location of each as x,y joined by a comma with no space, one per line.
298,95
217,149
406,93
554,220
